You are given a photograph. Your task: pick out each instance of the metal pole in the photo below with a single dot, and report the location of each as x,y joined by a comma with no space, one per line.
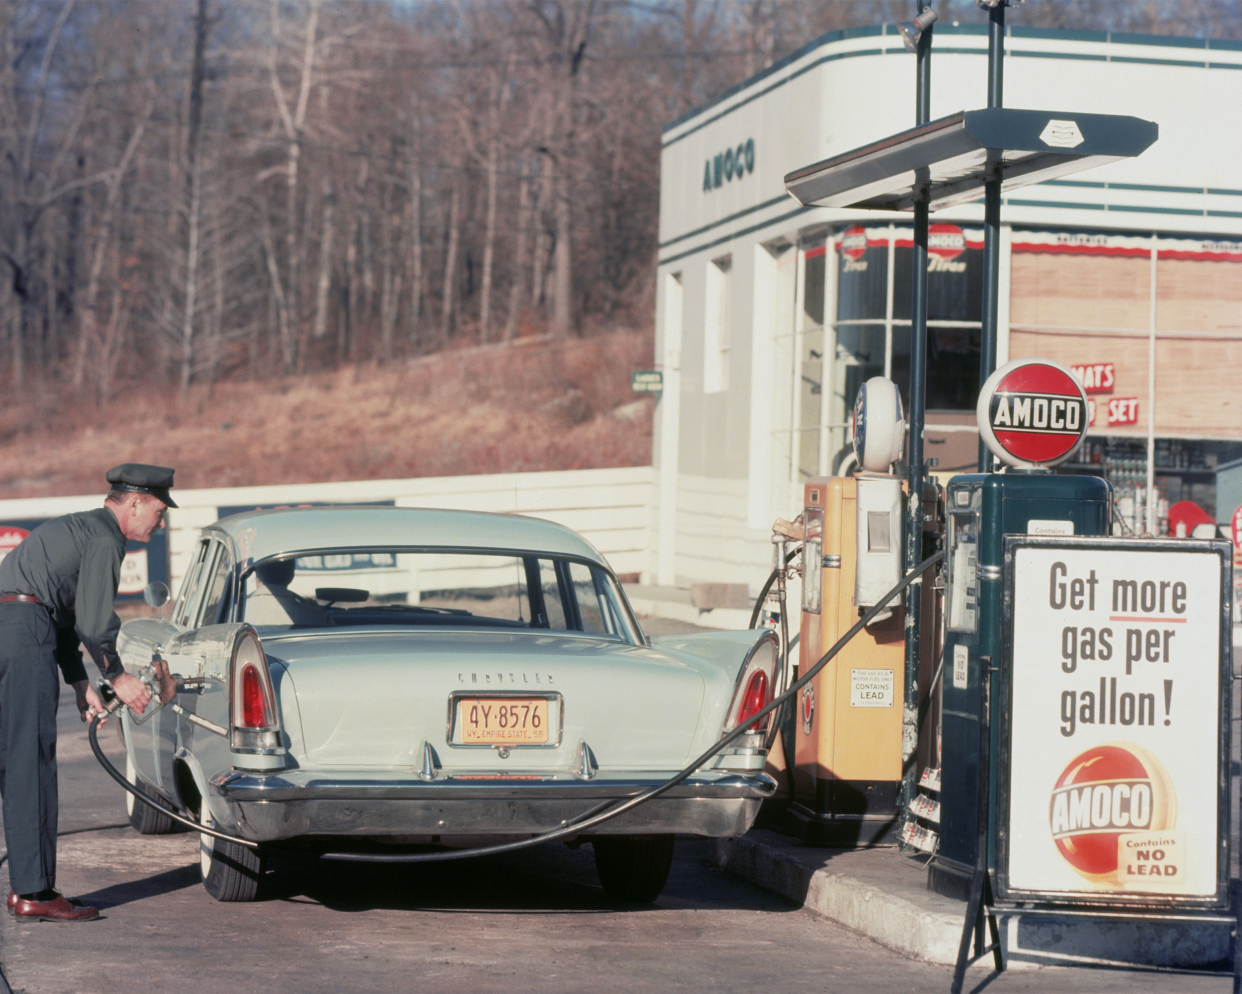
918,401
1151,392
991,216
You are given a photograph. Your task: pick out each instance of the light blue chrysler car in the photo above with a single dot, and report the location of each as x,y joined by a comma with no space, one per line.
360,677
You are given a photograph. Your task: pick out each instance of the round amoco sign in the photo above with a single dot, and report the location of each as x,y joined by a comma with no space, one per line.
854,243
947,241
1103,794
1032,412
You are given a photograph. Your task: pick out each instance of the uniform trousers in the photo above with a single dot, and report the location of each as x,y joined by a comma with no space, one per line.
29,696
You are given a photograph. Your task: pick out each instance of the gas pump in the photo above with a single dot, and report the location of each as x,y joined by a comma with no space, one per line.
1032,415
848,752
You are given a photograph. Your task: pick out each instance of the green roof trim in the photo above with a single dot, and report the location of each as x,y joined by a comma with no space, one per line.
1017,33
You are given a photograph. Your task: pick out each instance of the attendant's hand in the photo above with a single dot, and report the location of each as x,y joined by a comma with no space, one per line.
89,701
132,692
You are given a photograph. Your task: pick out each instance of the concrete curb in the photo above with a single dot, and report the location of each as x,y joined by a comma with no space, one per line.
883,895
927,931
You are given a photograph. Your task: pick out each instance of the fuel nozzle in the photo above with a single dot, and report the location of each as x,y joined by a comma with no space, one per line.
162,683
112,703
159,681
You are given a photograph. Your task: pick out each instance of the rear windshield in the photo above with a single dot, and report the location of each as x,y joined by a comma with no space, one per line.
476,590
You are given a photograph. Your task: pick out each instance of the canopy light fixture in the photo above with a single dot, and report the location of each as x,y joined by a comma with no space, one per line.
948,161
912,31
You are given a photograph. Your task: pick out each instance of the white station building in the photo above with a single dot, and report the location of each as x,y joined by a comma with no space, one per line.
769,314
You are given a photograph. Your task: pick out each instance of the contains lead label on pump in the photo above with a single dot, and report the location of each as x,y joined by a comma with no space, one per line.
871,688
961,658
1035,527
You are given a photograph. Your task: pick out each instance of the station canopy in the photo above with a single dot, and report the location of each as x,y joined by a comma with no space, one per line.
947,161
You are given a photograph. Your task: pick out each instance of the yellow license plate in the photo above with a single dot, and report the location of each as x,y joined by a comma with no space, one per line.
503,721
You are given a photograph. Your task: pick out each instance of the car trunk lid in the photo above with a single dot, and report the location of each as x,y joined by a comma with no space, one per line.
371,699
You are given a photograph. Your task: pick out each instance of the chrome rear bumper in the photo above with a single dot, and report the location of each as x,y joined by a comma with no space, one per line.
294,803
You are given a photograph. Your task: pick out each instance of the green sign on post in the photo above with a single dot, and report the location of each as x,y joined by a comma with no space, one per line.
647,381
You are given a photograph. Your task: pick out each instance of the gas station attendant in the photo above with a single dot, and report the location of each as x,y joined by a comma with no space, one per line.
57,589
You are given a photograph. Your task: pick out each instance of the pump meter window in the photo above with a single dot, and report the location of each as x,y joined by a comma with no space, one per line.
963,579
812,546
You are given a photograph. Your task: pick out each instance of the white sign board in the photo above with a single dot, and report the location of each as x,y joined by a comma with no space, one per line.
133,579
1117,687
961,667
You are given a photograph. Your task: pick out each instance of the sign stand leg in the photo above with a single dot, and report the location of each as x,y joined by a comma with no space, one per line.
1235,901
981,902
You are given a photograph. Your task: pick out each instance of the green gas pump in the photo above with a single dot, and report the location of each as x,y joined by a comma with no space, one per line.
1032,415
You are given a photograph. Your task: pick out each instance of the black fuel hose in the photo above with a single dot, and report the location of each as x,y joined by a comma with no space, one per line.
588,819
754,615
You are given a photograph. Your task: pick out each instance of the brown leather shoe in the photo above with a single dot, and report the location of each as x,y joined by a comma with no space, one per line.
59,909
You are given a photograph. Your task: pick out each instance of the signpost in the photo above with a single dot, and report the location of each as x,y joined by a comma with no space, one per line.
647,381
1236,530
10,538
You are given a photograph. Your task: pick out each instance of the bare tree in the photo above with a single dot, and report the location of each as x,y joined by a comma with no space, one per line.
26,202
325,183
416,222
293,121
453,235
95,352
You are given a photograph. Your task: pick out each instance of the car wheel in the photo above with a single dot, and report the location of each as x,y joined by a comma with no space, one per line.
144,819
231,872
633,868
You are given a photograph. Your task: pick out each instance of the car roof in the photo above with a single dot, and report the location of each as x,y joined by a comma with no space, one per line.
258,535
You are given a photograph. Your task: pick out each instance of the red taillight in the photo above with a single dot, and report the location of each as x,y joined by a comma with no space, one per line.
254,707
254,724
754,699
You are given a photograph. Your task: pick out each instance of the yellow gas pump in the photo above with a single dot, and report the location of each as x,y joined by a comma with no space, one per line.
849,720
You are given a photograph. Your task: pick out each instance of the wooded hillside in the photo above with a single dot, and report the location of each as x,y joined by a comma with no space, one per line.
535,405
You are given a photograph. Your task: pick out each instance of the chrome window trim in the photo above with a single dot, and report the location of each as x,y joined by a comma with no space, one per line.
191,605
634,635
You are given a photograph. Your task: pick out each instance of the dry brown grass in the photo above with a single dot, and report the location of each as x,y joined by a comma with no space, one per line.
487,409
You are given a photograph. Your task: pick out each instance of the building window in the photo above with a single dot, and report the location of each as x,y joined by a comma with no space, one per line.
813,256
954,316
1088,300
716,321
873,312
872,326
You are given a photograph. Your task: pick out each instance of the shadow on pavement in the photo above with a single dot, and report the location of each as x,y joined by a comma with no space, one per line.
138,890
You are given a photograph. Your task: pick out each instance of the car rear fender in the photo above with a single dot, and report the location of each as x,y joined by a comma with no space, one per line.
148,744
721,657
187,765
202,659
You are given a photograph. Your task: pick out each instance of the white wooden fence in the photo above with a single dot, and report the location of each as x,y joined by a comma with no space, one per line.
611,508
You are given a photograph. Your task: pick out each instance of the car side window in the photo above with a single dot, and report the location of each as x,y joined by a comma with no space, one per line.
188,596
215,586
553,602
595,609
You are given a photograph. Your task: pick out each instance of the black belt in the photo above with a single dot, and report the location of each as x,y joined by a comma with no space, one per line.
18,599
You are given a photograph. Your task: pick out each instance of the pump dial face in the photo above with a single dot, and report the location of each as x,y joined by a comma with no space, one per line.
879,431
1032,412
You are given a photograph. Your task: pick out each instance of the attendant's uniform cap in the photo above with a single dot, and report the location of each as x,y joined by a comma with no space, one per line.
140,479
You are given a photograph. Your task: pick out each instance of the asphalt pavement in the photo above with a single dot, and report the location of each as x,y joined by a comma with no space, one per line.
736,916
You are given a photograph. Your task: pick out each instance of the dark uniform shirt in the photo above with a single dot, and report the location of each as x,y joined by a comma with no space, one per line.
72,564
